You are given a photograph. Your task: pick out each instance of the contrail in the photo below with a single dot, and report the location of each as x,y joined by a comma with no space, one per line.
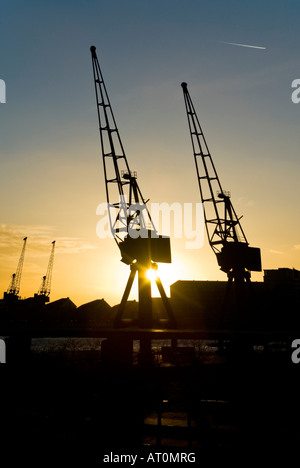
243,45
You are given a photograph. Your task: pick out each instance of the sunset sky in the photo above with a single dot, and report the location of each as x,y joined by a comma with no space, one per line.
51,165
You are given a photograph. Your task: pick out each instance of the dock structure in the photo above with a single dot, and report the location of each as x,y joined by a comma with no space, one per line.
194,389
240,395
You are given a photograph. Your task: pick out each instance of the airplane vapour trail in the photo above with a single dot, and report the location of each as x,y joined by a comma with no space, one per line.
243,45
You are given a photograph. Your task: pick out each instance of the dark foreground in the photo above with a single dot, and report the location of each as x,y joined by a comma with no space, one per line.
76,411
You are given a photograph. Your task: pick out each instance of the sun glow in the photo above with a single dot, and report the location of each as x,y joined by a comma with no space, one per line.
152,274
167,274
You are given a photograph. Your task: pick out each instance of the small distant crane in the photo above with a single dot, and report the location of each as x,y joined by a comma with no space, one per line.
14,287
130,221
225,234
45,288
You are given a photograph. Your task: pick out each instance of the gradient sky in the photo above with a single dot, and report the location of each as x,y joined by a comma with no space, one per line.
51,167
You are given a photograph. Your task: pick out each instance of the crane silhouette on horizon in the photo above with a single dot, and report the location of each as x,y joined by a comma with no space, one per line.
131,224
225,234
13,290
45,287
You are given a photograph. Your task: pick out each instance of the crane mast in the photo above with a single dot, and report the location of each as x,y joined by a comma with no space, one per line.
130,220
14,287
224,231
45,288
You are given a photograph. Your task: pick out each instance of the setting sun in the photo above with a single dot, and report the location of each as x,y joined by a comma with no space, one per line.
151,274
167,273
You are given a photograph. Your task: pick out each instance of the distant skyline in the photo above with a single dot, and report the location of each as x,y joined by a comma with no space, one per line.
51,165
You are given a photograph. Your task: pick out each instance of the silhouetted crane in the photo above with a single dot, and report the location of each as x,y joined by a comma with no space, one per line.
225,234
45,288
14,287
131,224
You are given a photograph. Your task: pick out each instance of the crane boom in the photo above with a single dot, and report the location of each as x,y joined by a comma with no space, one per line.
225,233
130,220
122,189
14,287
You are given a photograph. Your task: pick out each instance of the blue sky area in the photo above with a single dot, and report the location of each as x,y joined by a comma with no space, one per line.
51,178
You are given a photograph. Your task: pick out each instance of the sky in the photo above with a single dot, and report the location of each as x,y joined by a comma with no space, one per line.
52,180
